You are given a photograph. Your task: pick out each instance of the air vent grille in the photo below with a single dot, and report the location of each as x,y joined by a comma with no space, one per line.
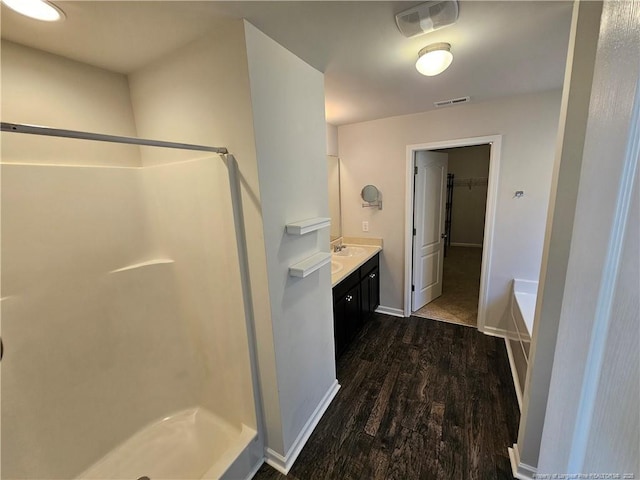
452,101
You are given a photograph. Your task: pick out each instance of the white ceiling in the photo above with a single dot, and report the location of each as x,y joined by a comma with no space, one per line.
500,48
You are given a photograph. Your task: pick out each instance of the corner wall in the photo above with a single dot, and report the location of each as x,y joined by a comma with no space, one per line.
288,117
375,152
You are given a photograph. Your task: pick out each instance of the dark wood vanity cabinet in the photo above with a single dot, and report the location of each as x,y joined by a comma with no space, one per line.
354,300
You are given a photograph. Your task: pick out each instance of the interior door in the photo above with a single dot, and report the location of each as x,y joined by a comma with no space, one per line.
430,181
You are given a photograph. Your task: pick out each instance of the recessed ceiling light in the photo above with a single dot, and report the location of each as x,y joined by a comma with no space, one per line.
36,9
434,59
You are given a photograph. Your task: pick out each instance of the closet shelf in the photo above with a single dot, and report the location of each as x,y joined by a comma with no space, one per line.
471,182
306,226
310,265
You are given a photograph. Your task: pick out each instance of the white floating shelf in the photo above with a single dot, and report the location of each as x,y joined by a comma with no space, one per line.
157,261
310,265
306,226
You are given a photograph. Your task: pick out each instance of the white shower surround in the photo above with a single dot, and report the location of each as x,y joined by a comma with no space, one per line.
121,306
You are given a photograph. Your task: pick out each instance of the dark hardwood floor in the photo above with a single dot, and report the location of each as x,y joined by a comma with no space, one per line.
420,399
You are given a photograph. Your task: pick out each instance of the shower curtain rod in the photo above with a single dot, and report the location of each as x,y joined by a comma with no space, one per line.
58,132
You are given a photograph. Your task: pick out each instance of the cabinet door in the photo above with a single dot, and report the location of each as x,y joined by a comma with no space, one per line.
370,293
374,290
365,298
346,317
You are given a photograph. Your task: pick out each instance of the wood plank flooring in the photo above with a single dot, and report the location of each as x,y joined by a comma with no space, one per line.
420,399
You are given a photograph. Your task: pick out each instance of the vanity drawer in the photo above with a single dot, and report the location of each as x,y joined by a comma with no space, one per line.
370,265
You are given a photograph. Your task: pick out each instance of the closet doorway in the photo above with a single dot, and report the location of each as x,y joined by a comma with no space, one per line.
450,214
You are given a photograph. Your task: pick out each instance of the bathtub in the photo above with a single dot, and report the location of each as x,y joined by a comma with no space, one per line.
191,444
522,312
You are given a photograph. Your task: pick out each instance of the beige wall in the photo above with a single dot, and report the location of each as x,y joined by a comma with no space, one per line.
376,152
39,88
469,204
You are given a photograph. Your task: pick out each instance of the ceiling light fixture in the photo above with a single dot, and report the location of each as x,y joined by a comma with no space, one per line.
434,59
36,9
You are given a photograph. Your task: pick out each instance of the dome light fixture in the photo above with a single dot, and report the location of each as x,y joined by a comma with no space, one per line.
36,9
434,59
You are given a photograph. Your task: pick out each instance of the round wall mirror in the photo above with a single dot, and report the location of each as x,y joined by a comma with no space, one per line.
370,193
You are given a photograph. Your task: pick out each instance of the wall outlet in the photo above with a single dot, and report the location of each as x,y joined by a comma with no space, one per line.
365,226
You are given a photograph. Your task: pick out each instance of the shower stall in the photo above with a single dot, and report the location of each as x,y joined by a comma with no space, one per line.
126,317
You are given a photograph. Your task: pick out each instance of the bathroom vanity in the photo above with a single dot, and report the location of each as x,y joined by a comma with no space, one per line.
356,291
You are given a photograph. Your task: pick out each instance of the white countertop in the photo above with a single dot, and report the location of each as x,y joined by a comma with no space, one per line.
351,264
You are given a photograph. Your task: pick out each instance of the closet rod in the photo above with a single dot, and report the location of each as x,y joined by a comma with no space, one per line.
58,132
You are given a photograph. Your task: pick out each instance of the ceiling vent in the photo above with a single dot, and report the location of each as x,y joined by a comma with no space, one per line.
427,17
452,101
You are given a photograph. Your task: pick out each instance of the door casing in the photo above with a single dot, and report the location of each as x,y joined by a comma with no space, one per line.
492,193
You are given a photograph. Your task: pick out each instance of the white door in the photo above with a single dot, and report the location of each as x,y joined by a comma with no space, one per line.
430,183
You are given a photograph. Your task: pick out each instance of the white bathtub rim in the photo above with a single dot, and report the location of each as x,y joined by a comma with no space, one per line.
525,286
525,293
226,460
221,460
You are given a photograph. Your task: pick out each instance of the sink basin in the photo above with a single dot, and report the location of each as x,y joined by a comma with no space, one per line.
350,252
336,267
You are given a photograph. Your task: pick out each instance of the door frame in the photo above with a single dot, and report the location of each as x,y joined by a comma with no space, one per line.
489,220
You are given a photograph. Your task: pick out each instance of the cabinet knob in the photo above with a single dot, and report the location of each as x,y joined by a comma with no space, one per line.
372,275
349,298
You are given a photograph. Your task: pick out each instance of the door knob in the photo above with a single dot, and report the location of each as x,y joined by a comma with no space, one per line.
443,235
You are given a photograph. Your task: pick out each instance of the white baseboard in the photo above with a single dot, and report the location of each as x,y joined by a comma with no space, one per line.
514,373
520,470
277,461
458,244
499,332
284,464
394,312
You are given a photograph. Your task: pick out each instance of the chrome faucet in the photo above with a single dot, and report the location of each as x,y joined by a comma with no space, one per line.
339,247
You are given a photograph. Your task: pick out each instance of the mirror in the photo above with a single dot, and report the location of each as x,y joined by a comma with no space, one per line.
371,195
334,197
